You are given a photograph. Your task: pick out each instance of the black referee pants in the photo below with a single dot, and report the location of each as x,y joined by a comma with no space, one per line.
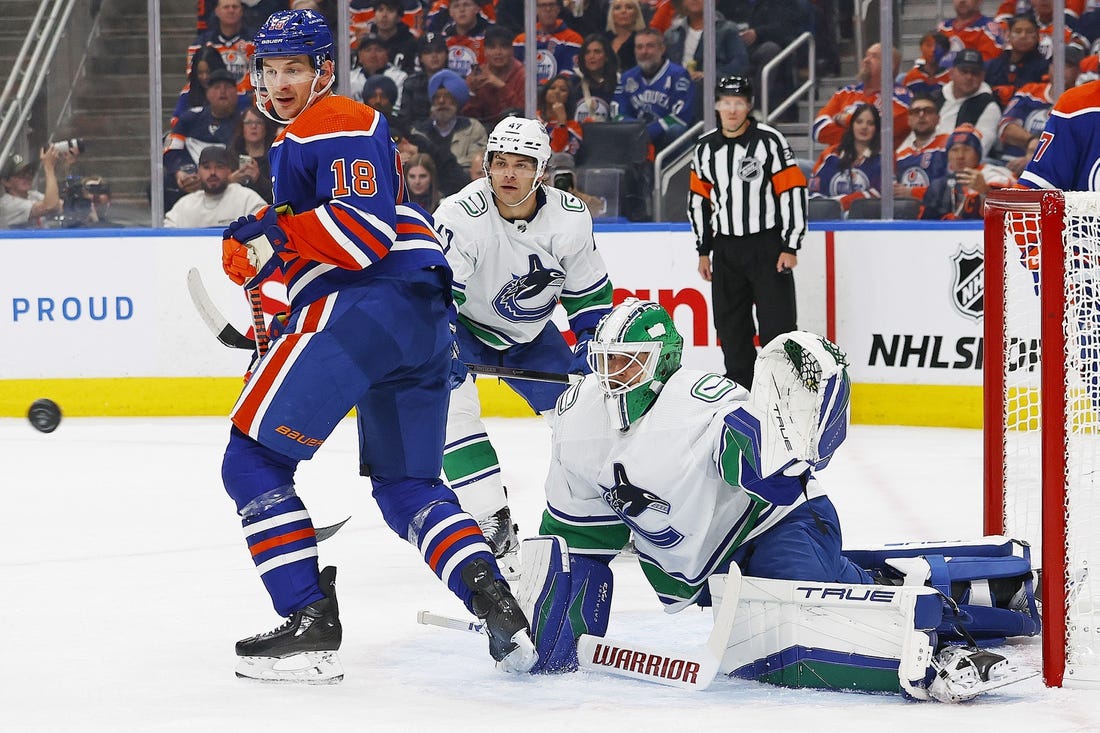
743,275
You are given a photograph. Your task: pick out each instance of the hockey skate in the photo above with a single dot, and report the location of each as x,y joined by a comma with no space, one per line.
509,633
963,674
501,534
301,650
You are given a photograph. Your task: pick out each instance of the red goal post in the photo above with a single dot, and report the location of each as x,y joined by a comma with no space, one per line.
1042,402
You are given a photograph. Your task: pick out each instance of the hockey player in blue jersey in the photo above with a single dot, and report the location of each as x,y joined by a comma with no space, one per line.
656,91
369,327
1068,154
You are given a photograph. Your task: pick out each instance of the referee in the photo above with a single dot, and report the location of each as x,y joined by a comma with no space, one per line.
747,206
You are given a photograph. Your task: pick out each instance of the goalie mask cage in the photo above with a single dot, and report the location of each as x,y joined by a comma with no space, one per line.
1042,408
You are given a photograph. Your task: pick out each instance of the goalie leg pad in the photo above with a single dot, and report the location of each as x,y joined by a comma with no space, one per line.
834,636
564,596
989,579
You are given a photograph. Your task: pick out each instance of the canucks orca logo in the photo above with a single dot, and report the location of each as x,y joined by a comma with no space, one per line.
642,510
520,301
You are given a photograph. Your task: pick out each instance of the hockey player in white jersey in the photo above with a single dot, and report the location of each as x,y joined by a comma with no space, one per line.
517,247
704,474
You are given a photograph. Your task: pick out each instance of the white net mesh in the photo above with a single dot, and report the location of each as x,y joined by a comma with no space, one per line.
1080,240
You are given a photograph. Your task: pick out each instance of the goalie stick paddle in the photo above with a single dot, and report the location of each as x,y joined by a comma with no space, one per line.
222,329
687,669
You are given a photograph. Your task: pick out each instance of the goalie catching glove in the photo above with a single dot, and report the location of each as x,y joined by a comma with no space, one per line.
249,245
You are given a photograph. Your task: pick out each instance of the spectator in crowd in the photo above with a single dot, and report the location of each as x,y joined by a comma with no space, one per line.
556,114
477,167
416,103
832,119
20,205
446,128
960,194
363,16
251,144
922,157
1075,9
592,88
206,61
255,12
410,141
928,73
497,86
624,19
1027,112
970,29
685,42
393,34
562,174
556,44
1019,64
767,26
218,202
851,169
438,13
1044,14
967,99
85,201
585,16
465,36
229,35
373,59
380,92
656,91
420,181
214,123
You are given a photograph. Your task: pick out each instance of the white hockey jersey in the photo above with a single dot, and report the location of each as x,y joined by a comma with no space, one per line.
674,479
508,276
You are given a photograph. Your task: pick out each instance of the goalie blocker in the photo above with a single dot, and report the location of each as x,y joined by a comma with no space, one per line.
868,638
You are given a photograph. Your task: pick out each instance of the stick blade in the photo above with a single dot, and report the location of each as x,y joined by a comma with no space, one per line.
222,329
323,533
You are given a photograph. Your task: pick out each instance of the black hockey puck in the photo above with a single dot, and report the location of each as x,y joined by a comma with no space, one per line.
44,415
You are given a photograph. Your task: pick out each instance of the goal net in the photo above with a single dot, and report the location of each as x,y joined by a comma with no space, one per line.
1042,408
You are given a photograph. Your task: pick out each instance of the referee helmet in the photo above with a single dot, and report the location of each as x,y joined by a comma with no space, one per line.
733,86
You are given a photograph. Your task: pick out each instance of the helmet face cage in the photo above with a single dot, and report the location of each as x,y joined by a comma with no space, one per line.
290,33
643,332
644,356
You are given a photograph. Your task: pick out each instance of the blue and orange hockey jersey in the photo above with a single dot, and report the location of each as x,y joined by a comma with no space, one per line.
339,171
1068,155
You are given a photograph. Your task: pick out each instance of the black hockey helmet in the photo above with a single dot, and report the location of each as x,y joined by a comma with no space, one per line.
734,86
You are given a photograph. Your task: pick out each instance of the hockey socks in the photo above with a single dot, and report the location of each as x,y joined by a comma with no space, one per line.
448,539
284,547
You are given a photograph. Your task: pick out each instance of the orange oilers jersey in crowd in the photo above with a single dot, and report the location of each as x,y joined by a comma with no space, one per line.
829,132
983,34
235,52
361,15
1046,39
919,81
340,173
1009,8
439,15
556,52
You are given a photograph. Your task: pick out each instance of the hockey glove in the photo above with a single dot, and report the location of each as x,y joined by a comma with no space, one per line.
262,236
579,365
459,372
235,261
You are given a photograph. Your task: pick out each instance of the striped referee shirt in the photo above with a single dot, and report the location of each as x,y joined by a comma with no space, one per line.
746,185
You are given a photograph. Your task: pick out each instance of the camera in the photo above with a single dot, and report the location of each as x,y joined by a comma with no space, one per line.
67,146
78,195
564,180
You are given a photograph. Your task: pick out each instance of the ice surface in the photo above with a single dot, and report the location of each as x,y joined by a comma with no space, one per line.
125,582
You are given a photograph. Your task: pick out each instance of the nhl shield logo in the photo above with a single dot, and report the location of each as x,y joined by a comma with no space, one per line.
748,169
968,290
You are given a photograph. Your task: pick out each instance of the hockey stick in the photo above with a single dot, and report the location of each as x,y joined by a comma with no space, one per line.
323,533
531,375
223,330
259,327
691,669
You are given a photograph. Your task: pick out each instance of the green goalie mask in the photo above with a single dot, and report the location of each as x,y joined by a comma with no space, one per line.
635,350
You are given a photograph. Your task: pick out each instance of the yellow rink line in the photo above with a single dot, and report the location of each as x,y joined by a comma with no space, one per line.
874,404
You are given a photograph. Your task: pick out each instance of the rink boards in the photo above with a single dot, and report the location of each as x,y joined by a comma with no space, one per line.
101,320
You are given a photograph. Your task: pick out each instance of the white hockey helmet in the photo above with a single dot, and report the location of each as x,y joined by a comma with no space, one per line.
521,136
801,381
